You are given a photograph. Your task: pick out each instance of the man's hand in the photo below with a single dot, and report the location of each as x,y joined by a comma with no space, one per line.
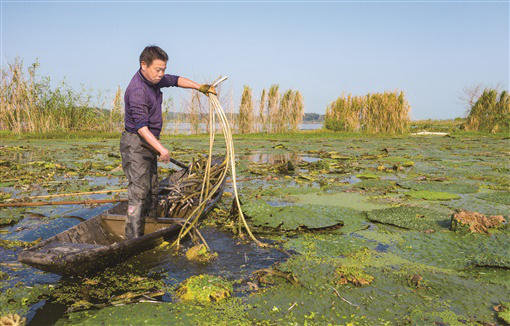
164,155
207,89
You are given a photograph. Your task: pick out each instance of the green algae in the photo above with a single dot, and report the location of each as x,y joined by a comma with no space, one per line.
204,288
448,263
500,197
504,312
431,195
327,246
367,175
17,300
294,217
105,289
225,312
376,185
414,218
341,199
456,188
475,204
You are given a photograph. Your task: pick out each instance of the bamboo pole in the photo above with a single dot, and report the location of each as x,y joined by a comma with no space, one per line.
74,194
76,202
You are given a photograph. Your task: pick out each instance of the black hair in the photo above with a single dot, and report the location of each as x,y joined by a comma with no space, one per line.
151,53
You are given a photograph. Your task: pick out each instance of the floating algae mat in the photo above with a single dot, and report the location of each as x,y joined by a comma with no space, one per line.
295,217
357,263
341,199
413,218
455,188
431,195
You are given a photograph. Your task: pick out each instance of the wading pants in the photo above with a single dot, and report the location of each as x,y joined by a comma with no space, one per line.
141,168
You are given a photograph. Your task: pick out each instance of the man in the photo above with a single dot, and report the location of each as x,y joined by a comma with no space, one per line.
143,124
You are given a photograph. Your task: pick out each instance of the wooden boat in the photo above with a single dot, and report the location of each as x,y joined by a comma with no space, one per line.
99,242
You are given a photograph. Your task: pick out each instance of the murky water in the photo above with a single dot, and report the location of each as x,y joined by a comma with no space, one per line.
236,261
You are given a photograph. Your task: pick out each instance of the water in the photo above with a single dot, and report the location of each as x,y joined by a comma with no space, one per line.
185,127
236,261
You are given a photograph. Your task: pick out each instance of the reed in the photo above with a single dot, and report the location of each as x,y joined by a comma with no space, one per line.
245,117
273,100
262,123
490,112
116,116
193,112
298,110
387,113
30,105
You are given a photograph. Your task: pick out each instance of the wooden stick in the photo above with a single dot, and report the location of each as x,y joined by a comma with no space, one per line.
49,203
73,194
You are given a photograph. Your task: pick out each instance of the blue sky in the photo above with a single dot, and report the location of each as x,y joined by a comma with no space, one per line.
430,50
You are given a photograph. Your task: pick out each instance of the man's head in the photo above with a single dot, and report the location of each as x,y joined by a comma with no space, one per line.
153,63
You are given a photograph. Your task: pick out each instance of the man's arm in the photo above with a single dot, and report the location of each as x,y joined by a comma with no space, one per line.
154,142
187,83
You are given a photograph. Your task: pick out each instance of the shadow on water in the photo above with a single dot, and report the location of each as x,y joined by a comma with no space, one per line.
236,261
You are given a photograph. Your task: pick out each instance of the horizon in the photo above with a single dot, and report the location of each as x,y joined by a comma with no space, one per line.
430,50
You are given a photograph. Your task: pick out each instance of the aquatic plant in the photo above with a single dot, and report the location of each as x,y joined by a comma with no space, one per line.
386,113
245,118
262,111
490,112
431,195
204,288
30,104
273,100
411,217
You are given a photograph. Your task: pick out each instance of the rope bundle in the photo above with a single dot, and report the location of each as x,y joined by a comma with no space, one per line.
213,177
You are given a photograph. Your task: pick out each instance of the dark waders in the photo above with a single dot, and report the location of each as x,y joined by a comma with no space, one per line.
141,168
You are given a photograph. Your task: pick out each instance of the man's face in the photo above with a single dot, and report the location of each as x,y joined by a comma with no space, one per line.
155,71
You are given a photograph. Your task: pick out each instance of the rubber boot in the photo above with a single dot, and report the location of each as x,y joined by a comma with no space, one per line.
135,222
150,207
153,207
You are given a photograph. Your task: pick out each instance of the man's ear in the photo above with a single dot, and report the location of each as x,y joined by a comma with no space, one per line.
144,65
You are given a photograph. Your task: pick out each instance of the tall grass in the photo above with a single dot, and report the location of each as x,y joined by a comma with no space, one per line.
30,105
280,112
262,125
116,114
490,112
387,113
273,100
245,118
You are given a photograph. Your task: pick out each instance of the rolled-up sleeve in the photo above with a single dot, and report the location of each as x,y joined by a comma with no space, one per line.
139,108
168,81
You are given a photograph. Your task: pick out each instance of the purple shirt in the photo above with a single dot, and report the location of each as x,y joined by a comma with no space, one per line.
143,103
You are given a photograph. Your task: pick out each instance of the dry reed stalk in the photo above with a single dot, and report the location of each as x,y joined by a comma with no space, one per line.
245,117
387,112
262,112
273,100
490,112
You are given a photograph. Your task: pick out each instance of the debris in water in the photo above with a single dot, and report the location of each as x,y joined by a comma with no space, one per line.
12,320
475,222
200,253
204,288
